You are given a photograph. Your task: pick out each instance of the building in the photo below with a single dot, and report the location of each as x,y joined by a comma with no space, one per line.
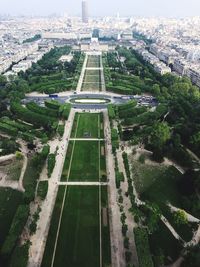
94,45
85,15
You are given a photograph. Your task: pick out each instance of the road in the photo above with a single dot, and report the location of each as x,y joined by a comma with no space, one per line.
69,97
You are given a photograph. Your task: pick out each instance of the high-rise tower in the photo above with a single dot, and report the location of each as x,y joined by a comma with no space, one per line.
85,15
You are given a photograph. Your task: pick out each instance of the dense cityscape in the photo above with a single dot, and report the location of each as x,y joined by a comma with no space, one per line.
99,141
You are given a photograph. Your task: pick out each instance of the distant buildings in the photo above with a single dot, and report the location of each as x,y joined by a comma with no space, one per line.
85,14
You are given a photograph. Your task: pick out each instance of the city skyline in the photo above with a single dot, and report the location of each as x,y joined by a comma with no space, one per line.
168,8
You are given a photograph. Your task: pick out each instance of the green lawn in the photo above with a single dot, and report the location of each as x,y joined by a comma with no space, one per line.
78,240
12,169
88,125
94,77
91,86
93,72
93,62
47,258
85,162
9,202
156,183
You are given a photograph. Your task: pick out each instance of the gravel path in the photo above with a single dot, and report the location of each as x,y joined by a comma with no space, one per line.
117,245
129,216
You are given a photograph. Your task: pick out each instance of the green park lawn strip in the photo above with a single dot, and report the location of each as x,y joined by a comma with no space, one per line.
93,62
78,240
87,123
84,162
49,249
9,202
93,72
95,77
91,86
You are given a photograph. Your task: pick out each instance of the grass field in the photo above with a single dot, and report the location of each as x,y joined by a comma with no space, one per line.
84,162
80,217
12,169
156,183
87,125
49,249
78,241
91,87
92,78
93,62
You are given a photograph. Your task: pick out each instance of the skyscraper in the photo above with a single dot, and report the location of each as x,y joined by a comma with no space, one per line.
85,12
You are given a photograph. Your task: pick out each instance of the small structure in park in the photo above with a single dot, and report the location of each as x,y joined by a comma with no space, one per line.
87,135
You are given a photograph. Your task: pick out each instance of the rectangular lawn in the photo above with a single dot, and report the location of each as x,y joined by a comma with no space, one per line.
95,86
84,162
88,125
78,240
93,62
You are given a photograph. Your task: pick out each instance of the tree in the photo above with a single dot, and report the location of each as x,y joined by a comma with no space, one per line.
19,155
180,217
161,133
3,80
195,140
156,89
192,259
187,183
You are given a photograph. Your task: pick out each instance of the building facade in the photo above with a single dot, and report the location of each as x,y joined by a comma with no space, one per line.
85,14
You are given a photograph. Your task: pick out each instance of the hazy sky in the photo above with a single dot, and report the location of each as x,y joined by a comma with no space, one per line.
172,8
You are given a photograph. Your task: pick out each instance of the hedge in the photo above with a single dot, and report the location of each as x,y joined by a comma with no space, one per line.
119,177
30,116
111,111
53,104
42,189
51,161
142,246
42,110
17,226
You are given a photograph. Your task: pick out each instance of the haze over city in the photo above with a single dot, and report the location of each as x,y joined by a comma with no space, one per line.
169,8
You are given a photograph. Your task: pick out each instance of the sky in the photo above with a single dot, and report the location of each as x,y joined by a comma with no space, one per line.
168,8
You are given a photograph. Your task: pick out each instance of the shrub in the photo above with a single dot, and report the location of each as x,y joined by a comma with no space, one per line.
142,245
42,189
61,129
51,161
119,177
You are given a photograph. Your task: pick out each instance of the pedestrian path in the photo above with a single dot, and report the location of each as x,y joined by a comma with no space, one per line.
82,183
